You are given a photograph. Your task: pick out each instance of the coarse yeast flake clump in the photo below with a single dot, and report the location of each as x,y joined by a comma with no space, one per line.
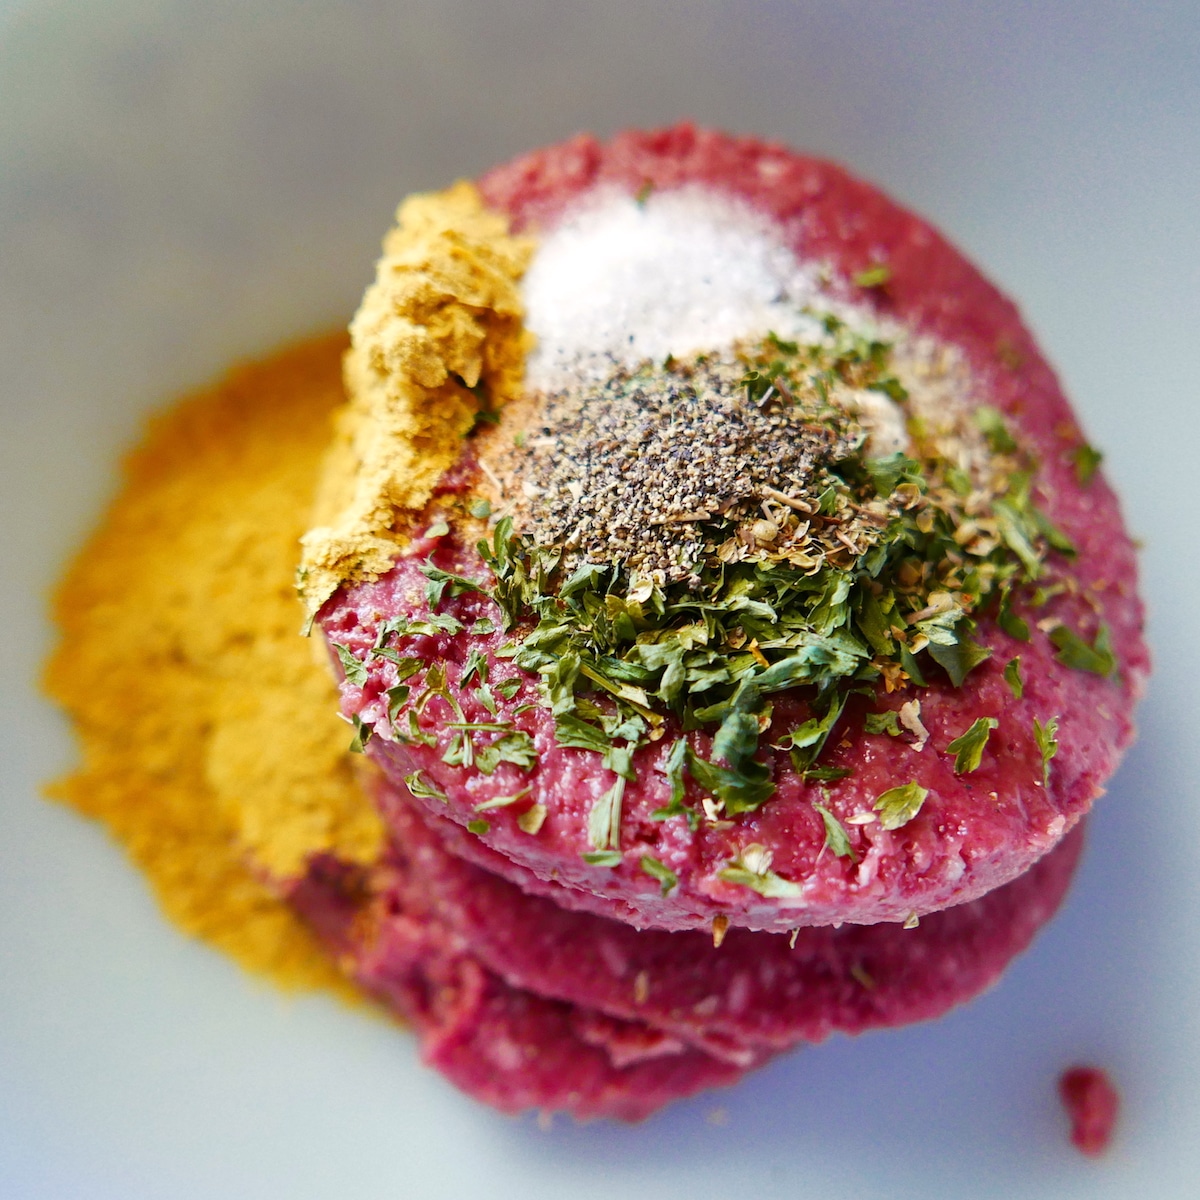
438,334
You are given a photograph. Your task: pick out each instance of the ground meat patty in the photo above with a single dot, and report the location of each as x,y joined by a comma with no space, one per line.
524,1004
756,989
507,1046
975,831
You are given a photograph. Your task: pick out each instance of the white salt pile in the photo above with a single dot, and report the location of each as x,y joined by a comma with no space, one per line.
687,270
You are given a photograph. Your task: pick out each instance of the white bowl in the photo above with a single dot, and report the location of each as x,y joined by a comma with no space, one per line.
184,184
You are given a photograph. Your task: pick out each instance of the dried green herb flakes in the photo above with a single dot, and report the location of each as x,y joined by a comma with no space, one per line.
867,571
968,747
617,652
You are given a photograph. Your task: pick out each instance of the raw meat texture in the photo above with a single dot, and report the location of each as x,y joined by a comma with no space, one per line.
756,987
975,831
507,1046
525,1004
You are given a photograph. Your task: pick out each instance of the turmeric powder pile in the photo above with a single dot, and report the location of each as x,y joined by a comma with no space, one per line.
210,742
211,745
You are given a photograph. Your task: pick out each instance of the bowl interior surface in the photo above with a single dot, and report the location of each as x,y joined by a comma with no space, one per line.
184,185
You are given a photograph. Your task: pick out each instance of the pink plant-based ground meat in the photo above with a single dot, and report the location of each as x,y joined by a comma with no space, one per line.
976,830
755,988
510,1047
524,1004
740,726
975,833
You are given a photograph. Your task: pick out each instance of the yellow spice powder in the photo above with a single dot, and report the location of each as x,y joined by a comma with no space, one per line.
443,316
211,748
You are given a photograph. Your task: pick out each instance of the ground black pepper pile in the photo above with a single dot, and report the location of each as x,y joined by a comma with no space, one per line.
628,471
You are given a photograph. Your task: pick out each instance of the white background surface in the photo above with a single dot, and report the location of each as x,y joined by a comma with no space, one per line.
183,184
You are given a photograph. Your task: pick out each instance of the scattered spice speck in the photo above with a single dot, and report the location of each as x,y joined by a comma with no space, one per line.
874,277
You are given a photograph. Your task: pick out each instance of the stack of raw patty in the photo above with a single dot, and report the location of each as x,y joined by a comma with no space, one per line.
744,677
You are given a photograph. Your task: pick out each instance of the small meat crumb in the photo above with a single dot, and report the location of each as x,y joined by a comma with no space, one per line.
1092,1103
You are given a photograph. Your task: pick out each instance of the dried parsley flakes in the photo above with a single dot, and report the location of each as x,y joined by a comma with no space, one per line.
832,572
1046,737
897,806
968,747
